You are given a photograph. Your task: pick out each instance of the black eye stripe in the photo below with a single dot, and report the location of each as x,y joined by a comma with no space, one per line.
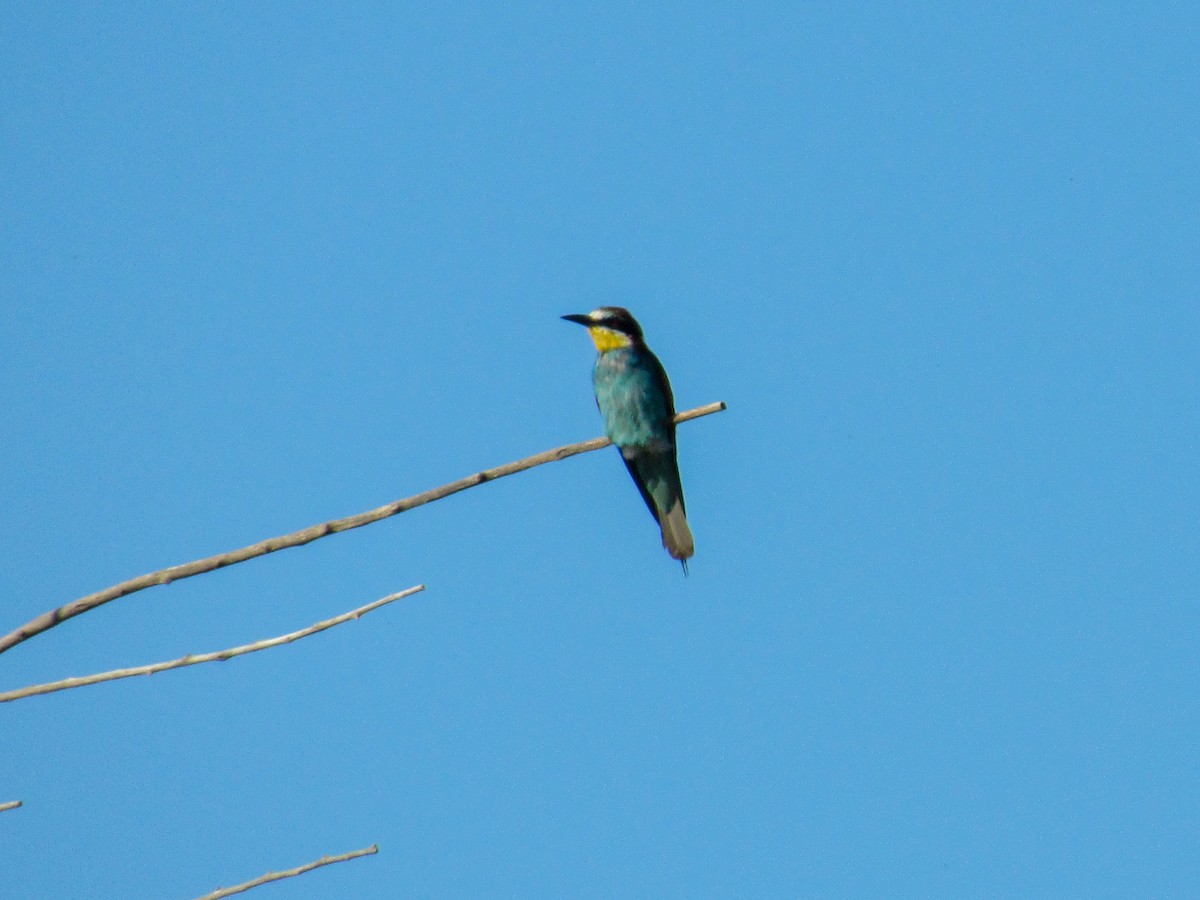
616,324
617,319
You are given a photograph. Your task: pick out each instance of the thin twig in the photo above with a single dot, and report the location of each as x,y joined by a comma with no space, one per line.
193,659
11,804
49,619
290,873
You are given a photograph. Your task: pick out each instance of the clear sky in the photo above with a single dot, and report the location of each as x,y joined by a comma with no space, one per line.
262,265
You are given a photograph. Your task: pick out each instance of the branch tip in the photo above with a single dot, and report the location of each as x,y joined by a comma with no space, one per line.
193,659
289,873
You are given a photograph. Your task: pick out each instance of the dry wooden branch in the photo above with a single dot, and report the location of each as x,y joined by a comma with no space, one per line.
290,873
193,659
49,619
11,804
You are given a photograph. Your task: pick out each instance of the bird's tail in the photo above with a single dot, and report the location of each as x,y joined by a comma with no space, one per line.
676,536
657,474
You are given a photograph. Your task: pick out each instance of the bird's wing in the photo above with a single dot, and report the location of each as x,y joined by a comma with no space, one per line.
631,465
664,384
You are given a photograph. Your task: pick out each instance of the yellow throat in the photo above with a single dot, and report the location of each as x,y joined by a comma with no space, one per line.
607,339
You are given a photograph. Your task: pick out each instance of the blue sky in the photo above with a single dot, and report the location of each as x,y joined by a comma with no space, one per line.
266,266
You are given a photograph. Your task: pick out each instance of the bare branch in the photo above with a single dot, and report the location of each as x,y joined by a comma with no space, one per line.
290,873
49,619
193,659
11,804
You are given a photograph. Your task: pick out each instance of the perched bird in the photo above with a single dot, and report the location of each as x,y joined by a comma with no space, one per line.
635,400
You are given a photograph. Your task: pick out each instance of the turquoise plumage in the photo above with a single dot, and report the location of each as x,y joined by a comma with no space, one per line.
635,400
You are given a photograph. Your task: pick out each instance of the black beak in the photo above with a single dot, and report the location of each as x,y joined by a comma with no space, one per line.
578,319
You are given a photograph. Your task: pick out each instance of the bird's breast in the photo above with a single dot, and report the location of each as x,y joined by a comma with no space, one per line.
633,404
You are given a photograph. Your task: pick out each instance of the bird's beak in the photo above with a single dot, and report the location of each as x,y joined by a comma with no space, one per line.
578,319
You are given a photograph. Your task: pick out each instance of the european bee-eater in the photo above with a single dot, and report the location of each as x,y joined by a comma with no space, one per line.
634,397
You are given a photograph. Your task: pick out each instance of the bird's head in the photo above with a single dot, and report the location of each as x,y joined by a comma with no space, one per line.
610,327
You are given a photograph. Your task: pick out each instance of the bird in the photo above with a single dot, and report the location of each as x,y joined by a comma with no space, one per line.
638,408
